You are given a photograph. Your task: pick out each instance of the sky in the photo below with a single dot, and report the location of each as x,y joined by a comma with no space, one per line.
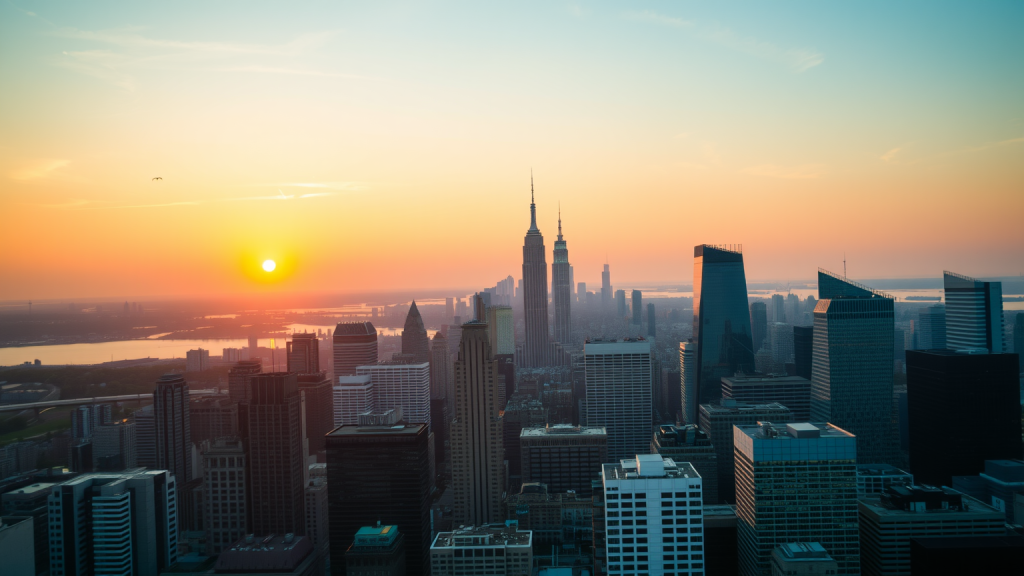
389,145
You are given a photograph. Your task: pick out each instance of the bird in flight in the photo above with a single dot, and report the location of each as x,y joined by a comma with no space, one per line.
158,178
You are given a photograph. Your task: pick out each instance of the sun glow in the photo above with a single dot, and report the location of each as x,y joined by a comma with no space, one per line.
269,265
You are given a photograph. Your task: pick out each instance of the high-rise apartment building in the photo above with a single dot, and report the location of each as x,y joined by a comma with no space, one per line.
564,457
401,385
304,354
688,443
355,344
930,329
238,379
224,493
978,392
114,524
852,366
619,390
501,329
782,345
758,324
476,431
793,392
637,306
535,293
275,454
498,549
319,403
197,360
353,395
721,318
414,336
145,436
379,471
805,467
688,381
717,420
778,309
113,447
974,313
173,427
888,522
654,517
561,288
620,303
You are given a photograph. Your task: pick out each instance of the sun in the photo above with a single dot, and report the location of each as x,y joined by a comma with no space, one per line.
269,265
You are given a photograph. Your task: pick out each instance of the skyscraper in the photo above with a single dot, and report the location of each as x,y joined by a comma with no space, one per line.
688,443
277,460
581,293
606,286
535,293
619,389
304,354
803,350
414,336
637,299
501,328
778,308
440,368
721,318
564,457
476,441
977,392
379,471
651,328
319,403
758,324
1018,338
974,313
123,523
561,288
224,494
793,392
810,467
173,427
449,310
688,381
353,395
852,366
931,328
238,379
355,344
620,303
402,385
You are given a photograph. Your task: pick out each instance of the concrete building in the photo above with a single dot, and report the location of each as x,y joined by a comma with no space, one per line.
654,517
238,378
802,559
271,555
974,313
213,418
718,421
501,329
619,381
124,524
889,521
496,549
353,395
173,427
477,440
793,392
687,443
318,400
303,354
801,467
197,360
17,536
401,385
535,293
113,447
563,457
225,505
873,479
355,344
376,551
32,501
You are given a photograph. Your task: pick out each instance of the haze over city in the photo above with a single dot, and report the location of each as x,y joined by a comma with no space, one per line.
386,146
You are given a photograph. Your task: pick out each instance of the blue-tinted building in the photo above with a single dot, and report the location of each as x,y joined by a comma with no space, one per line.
974,313
852,365
721,318
638,307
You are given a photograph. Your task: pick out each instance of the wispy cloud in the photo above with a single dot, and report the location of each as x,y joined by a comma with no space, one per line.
38,169
890,155
802,172
349,186
83,204
797,59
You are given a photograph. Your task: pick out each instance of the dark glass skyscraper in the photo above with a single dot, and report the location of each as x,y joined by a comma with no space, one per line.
637,298
803,350
535,293
963,409
561,288
721,319
173,427
651,327
758,324
1018,338
304,354
414,336
852,365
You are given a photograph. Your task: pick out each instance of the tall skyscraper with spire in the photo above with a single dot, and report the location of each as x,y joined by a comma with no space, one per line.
606,286
535,292
561,287
414,336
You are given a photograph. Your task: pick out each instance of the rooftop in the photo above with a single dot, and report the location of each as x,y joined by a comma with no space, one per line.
880,470
795,431
730,405
636,345
507,534
391,430
803,551
354,380
274,553
354,329
764,379
923,499
376,536
564,429
648,466
31,490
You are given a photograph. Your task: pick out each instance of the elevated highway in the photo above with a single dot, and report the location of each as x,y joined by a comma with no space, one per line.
39,406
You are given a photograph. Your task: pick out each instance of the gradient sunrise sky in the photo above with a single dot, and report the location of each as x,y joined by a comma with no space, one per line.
384,146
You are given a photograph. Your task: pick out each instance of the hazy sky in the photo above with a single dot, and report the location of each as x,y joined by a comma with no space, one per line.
386,145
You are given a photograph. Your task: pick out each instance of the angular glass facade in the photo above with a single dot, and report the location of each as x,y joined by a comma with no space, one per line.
721,319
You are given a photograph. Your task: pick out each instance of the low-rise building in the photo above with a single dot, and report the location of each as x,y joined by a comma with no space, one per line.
875,478
997,486
793,392
376,551
802,559
496,549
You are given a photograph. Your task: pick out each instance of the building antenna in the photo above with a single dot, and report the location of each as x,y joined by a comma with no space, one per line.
844,265
531,185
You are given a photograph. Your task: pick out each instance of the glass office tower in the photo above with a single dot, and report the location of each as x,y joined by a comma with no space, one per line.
721,318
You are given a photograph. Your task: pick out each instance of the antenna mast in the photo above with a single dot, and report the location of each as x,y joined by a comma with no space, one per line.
844,265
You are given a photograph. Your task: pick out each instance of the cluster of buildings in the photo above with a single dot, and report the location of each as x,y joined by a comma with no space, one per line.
489,449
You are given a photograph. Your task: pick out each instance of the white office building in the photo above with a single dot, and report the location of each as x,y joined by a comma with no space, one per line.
400,385
653,516
353,395
618,376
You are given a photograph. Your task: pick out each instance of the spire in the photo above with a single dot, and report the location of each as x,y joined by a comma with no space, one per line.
559,221
533,207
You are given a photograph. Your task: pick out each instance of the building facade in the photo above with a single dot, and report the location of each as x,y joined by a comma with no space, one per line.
401,385
353,395
688,381
414,336
238,379
304,354
563,457
535,293
173,427
619,381
355,344
561,288
688,443
318,396
225,512
496,549
793,392
974,313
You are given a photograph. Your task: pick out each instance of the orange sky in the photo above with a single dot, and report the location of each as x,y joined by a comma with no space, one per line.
386,148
